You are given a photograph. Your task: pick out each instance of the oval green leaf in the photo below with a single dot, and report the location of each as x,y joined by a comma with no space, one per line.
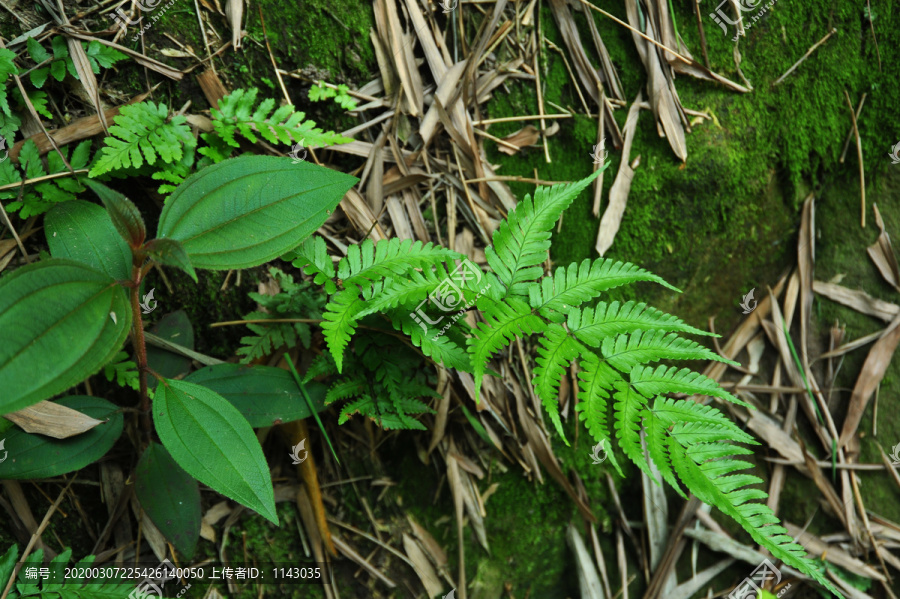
210,439
37,456
246,211
264,395
83,232
61,321
170,496
122,212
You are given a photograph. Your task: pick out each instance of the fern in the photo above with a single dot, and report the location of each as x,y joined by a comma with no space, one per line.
38,198
614,345
238,113
57,585
141,133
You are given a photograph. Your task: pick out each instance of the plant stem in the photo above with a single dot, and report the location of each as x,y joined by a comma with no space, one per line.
140,349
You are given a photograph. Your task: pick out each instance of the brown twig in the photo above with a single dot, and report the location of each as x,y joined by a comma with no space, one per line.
702,34
272,57
862,172
859,108
805,56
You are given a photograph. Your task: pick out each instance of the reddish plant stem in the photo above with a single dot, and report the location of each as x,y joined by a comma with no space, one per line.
140,348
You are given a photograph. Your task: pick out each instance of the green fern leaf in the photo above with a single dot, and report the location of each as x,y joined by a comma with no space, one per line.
556,350
657,441
650,382
345,389
499,329
313,255
521,242
595,379
681,411
440,348
409,291
141,133
708,483
629,411
366,261
339,322
236,114
626,351
592,325
571,287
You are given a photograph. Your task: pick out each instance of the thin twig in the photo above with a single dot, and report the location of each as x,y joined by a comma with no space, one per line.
702,34
859,108
862,172
44,178
516,179
272,57
510,119
34,539
263,321
805,56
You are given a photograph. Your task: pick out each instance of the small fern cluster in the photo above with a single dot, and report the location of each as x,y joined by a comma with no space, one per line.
58,583
614,345
144,132
295,300
40,197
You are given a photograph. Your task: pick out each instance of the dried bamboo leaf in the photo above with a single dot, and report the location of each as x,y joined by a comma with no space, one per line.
234,12
873,370
588,580
53,420
524,137
621,187
882,254
858,300
816,547
423,568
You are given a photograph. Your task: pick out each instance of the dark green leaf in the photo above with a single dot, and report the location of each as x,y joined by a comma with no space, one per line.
61,321
210,439
39,76
58,69
171,253
83,232
264,395
170,496
124,214
174,327
246,211
37,456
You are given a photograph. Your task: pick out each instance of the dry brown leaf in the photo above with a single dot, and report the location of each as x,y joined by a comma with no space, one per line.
858,300
663,101
806,264
423,568
429,543
588,579
53,420
882,254
618,194
146,61
870,376
361,216
234,12
816,547
524,137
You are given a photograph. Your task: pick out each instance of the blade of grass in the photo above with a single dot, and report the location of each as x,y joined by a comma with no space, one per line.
312,409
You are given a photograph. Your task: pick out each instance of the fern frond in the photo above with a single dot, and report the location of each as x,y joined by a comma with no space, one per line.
339,322
267,338
708,483
650,382
679,412
368,261
592,325
407,292
556,350
626,351
345,389
595,379
322,365
313,257
440,348
629,412
500,327
521,242
657,441
236,114
572,286
141,133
